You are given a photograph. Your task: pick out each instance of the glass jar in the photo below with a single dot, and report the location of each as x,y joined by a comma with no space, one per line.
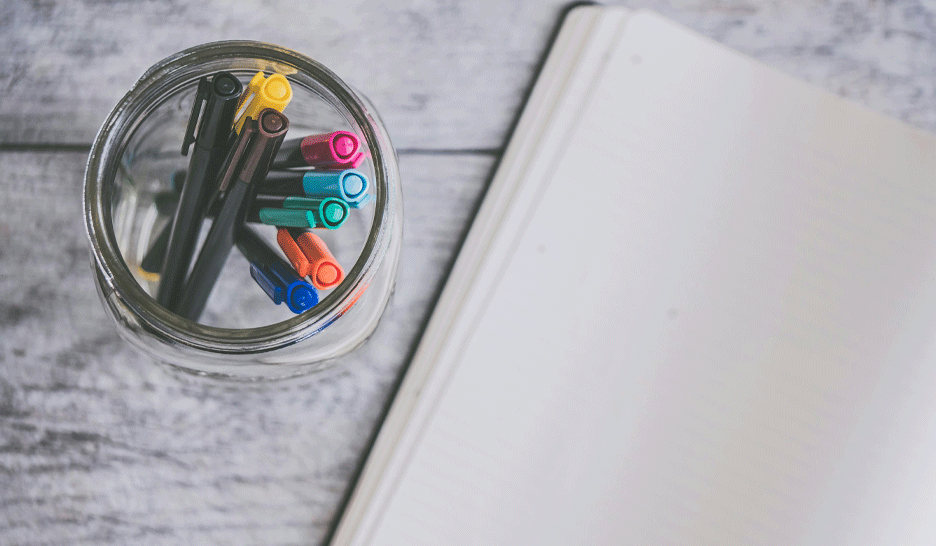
242,334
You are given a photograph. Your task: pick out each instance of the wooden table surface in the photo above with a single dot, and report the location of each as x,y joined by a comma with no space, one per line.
100,446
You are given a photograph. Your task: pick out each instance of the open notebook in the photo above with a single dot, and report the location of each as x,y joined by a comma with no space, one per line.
697,306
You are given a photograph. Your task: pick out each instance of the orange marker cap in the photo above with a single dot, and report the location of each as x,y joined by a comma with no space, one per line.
326,272
293,253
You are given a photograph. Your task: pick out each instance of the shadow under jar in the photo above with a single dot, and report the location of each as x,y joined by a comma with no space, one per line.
241,334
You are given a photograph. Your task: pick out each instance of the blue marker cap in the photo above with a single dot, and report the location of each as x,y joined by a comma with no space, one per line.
367,198
282,284
348,185
300,295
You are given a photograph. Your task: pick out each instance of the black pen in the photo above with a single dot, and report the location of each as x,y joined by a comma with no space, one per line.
220,99
247,165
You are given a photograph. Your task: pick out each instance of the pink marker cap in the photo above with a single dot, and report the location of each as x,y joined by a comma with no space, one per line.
340,149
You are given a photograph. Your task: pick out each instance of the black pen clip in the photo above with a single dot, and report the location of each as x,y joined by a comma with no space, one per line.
201,97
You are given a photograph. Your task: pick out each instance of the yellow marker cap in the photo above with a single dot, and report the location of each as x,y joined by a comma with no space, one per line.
273,92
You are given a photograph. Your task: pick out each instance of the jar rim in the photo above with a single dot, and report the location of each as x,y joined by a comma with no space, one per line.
115,280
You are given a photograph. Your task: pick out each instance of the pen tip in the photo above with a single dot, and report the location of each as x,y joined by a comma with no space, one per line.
272,122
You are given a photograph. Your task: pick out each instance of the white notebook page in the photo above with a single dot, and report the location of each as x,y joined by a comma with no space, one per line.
747,354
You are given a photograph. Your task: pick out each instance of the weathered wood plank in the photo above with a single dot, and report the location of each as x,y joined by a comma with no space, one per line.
443,75
97,445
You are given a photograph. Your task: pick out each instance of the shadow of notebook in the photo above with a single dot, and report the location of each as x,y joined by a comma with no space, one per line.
698,306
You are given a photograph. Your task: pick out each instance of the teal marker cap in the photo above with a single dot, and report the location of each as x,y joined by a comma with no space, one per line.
331,213
286,218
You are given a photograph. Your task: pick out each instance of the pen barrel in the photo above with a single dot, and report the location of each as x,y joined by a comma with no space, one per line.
214,252
290,155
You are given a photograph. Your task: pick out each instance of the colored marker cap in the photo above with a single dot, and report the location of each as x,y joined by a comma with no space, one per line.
286,217
300,296
294,254
304,203
325,270
262,92
365,199
344,146
331,213
353,183
349,184
338,149
276,89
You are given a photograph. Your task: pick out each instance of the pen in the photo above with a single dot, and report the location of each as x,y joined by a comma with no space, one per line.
245,167
153,259
275,276
348,185
310,257
219,99
273,92
335,150
329,213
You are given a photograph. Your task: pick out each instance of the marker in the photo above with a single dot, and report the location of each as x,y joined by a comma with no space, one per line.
246,167
219,98
336,150
310,257
275,276
273,92
348,185
329,213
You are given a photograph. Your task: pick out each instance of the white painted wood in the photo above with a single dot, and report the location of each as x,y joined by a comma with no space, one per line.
442,74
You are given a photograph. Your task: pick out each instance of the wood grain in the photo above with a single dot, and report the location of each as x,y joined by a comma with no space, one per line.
100,446
444,75
97,445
